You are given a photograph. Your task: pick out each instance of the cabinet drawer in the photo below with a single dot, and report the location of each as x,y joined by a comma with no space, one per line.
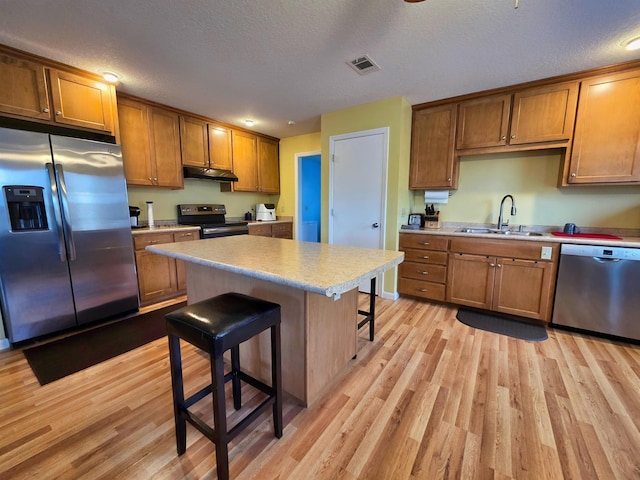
421,271
142,241
185,236
428,242
417,288
262,230
282,230
425,256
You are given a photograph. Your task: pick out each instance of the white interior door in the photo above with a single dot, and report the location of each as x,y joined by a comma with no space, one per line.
357,192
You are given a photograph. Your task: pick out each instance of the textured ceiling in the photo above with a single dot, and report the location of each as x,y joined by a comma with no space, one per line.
280,60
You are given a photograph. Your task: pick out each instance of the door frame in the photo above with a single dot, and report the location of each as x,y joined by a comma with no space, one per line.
384,131
296,178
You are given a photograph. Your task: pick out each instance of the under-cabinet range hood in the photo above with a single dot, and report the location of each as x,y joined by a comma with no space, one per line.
214,174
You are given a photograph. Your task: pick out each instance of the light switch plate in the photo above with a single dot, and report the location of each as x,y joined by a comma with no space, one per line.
546,253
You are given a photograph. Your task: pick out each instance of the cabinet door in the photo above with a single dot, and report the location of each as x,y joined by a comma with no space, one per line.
81,102
470,280
268,166
544,114
523,287
134,136
282,230
181,274
24,88
433,162
194,145
483,122
245,161
164,140
606,143
220,147
156,276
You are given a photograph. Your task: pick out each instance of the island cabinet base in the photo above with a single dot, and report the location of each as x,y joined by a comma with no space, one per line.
319,334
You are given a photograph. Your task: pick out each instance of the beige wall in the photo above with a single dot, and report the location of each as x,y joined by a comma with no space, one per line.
532,178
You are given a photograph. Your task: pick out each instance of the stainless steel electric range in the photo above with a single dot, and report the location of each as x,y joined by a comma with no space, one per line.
211,220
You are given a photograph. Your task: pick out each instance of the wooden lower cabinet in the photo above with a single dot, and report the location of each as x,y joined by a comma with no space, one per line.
424,270
277,230
160,277
506,284
507,276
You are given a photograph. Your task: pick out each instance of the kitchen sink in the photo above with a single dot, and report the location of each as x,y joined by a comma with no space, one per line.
500,232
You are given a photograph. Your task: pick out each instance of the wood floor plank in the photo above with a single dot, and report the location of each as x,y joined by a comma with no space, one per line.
429,398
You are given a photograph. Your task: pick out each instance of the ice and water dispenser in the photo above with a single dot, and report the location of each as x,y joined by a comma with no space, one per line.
26,207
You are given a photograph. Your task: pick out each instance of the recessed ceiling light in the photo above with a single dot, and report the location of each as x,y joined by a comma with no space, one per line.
633,44
249,123
110,77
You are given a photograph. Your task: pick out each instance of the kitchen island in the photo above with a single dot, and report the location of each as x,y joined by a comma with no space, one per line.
316,285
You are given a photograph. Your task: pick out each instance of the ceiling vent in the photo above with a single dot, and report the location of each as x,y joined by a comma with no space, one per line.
363,65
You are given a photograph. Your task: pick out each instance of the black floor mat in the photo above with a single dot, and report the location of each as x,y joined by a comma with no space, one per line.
59,358
503,326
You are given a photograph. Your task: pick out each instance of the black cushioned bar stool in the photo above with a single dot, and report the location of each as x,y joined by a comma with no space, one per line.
216,325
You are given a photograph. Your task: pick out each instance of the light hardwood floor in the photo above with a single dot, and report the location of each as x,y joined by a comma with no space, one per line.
430,398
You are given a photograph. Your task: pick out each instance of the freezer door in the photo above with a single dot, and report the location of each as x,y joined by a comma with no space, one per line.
34,276
97,227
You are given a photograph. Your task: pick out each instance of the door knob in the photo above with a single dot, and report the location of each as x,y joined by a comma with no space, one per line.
375,225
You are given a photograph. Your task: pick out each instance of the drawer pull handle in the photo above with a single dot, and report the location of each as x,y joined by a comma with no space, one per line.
422,289
425,243
425,256
153,241
425,273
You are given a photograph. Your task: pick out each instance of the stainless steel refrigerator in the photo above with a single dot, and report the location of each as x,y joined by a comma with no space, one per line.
66,255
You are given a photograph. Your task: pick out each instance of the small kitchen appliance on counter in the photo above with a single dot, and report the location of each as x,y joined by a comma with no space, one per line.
134,213
265,212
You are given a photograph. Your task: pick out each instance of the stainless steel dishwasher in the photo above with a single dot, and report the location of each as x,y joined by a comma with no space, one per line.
598,289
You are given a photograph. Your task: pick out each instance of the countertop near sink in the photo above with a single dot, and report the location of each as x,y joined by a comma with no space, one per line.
164,229
630,237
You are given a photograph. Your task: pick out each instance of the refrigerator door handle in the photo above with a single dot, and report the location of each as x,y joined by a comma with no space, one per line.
62,251
71,246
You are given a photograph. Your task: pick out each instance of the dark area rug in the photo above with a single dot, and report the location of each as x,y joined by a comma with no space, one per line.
59,358
503,326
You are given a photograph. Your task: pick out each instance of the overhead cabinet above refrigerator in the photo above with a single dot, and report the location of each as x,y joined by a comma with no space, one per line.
67,255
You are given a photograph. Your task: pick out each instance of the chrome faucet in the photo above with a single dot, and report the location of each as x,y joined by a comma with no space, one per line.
513,211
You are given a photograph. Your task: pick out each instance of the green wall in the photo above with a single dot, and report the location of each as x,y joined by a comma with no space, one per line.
532,178
195,191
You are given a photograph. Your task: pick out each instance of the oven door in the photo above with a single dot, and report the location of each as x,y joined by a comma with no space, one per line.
225,231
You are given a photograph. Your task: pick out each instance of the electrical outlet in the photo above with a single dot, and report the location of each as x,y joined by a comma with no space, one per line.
546,253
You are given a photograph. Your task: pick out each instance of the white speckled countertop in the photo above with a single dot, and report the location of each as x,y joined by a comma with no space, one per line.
315,267
544,235
164,229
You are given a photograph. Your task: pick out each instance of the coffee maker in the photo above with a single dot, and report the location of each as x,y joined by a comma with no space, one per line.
134,213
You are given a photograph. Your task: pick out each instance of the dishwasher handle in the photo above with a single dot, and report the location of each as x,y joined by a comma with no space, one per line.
606,260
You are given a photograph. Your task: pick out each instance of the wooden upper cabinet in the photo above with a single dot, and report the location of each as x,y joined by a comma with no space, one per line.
80,101
245,161
220,147
194,142
164,138
606,142
150,138
538,115
134,137
23,88
433,163
544,114
268,166
483,122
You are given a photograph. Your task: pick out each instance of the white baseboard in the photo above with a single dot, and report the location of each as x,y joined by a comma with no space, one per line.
4,343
